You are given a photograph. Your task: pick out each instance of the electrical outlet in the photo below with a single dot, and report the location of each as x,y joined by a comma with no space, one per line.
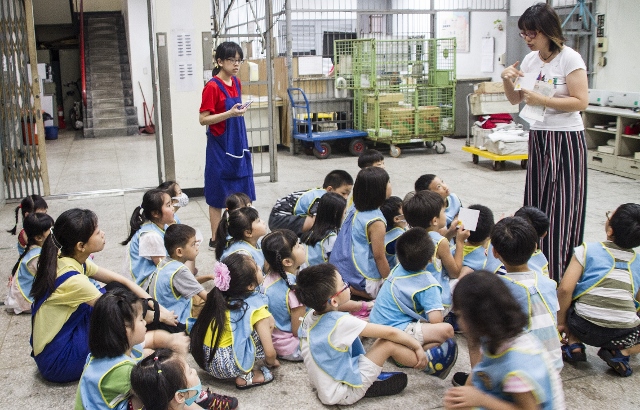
502,58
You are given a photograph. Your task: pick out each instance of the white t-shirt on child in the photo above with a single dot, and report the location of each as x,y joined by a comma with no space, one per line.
556,72
330,391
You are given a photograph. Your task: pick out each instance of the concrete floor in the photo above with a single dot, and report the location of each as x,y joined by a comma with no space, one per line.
78,165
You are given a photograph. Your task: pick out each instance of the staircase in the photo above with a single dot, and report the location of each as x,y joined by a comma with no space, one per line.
110,110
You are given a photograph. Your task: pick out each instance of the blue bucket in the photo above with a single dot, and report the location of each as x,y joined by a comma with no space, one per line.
51,133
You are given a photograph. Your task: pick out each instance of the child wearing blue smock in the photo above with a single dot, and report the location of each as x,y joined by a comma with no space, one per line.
396,226
233,331
426,210
411,299
18,299
145,243
228,167
240,232
321,238
515,370
359,251
61,313
599,295
452,203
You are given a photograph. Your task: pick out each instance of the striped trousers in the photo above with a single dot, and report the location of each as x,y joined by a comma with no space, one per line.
557,185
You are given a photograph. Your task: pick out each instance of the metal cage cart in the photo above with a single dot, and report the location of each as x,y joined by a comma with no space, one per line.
485,104
404,90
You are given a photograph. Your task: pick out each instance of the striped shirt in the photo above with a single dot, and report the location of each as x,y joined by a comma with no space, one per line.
611,302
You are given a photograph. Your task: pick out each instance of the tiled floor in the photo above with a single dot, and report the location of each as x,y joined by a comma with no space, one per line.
78,165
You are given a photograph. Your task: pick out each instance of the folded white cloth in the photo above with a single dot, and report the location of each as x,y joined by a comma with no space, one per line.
508,136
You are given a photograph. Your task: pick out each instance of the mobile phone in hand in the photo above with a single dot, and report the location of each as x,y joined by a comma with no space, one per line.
245,105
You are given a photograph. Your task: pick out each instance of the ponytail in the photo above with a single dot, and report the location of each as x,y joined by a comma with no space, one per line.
157,377
277,246
34,225
152,201
328,218
72,226
234,224
28,205
242,273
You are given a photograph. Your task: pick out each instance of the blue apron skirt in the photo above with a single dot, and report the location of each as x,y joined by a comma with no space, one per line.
63,359
228,167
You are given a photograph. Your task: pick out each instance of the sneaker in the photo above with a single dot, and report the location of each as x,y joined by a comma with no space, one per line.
212,245
459,378
442,358
213,401
453,321
388,384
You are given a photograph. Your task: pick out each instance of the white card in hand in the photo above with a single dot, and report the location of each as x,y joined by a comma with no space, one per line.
527,82
469,218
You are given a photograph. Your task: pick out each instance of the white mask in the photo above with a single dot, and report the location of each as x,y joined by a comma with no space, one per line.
183,200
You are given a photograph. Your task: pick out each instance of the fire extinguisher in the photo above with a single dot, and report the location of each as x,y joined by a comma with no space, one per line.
61,123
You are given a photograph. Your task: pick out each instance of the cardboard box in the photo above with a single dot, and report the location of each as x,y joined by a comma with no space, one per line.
483,106
490,88
400,120
428,120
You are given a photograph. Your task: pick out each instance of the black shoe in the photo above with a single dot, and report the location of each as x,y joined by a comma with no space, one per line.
212,245
388,384
460,378
214,401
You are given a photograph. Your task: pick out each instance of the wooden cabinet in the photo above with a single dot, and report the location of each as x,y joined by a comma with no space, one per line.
605,126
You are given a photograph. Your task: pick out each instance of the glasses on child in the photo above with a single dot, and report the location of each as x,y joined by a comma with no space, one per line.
530,34
346,286
234,61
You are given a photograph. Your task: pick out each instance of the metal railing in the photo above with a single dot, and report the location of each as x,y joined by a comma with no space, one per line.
82,62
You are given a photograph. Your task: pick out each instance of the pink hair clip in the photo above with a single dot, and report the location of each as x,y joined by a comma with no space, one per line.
221,277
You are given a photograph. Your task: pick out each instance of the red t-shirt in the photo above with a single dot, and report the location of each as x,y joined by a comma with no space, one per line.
213,100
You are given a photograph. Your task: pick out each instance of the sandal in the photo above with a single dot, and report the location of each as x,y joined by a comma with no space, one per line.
570,355
248,378
617,361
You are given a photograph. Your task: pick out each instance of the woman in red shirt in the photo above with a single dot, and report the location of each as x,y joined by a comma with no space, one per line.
228,167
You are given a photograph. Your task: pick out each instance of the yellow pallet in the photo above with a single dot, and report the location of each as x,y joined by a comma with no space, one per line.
498,160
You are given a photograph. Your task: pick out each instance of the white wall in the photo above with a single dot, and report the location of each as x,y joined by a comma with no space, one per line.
51,12
101,5
137,27
468,64
622,72
189,139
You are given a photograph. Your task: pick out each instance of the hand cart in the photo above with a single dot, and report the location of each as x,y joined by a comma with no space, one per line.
319,140
499,161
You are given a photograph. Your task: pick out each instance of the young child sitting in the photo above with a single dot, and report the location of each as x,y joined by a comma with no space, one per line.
475,249
145,243
178,198
538,262
410,299
426,210
296,211
599,294
514,241
29,205
284,254
234,327
371,158
319,240
19,299
165,381
241,231
173,285
338,367
359,250
396,226
430,182
516,371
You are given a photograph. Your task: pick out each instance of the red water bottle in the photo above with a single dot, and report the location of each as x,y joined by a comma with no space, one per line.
61,123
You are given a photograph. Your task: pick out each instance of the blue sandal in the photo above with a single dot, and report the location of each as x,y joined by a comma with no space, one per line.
569,354
617,361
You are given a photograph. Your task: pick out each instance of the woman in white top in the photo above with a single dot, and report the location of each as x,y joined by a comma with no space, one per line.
556,171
